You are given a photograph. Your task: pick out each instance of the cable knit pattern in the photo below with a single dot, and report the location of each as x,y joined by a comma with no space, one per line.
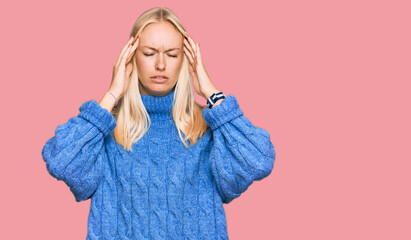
160,190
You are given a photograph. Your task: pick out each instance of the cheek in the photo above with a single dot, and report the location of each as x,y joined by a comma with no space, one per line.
141,61
176,65
143,64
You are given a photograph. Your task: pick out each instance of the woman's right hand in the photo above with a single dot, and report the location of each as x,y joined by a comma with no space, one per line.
122,68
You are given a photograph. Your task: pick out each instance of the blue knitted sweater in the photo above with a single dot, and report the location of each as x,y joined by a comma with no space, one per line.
160,190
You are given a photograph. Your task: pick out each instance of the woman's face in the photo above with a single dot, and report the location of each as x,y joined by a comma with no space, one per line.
159,52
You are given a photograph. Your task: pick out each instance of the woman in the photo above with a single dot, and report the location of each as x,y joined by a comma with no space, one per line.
156,164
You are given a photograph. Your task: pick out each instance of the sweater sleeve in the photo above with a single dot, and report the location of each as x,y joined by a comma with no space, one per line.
240,153
76,154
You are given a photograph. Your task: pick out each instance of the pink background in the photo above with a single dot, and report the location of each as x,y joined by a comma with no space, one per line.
329,80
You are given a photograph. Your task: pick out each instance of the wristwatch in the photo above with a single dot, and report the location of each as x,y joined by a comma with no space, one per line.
216,96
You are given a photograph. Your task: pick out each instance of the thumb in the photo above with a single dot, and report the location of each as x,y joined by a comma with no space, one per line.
129,68
199,60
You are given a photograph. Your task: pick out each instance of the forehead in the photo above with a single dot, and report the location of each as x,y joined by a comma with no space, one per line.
161,35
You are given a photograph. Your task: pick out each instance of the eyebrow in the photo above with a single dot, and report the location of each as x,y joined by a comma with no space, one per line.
168,50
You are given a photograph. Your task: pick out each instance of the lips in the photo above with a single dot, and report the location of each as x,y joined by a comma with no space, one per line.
159,79
159,76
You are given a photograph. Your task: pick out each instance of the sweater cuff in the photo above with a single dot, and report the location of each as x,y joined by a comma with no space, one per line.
226,111
100,117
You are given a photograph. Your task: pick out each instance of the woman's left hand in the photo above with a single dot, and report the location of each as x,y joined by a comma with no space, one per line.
201,81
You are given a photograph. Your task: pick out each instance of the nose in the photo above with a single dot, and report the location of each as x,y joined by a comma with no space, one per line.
160,64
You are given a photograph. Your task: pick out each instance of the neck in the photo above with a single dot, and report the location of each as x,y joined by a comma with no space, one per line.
159,108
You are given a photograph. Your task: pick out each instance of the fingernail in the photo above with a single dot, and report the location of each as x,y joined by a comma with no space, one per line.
136,39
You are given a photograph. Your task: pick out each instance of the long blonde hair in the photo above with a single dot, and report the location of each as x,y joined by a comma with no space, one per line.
131,116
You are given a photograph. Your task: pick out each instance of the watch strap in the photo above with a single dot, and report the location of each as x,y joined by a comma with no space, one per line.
214,97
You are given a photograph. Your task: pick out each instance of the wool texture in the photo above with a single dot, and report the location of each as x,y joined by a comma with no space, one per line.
160,190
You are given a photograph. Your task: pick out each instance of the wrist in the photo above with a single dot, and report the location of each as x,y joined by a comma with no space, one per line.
207,94
107,101
214,97
217,102
116,93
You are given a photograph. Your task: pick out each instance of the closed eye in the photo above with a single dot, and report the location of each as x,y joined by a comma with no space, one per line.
148,55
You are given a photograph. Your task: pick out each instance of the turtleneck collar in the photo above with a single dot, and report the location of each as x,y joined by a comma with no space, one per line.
159,108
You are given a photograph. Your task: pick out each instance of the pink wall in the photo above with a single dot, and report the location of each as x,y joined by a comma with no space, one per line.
329,80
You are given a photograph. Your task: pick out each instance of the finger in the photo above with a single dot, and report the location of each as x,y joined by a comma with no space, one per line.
124,49
193,44
129,69
133,48
192,54
124,57
195,50
135,44
189,55
189,47
190,68
127,45
199,54
191,59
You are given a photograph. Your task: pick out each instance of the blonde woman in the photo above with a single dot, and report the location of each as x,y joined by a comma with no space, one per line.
156,164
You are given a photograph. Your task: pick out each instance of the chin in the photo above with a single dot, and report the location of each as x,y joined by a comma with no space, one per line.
157,89
160,89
